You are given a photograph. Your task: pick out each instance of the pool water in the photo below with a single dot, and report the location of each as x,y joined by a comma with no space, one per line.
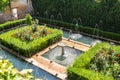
83,39
67,59
21,64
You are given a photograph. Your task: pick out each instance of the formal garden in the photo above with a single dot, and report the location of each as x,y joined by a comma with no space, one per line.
62,40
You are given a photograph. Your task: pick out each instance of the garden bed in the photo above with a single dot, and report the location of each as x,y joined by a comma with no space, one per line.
30,39
99,63
106,62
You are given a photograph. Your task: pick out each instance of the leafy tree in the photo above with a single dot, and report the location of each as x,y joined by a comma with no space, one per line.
3,4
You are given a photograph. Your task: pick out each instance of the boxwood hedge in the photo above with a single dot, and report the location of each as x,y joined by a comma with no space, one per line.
79,69
29,48
11,24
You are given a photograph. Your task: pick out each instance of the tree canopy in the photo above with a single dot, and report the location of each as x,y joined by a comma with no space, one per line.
3,4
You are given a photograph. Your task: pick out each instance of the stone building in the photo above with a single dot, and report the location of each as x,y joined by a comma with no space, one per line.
18,9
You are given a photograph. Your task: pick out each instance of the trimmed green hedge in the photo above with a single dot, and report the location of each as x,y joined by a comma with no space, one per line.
79,69
11,24
84,74
29,48
84,59
85,29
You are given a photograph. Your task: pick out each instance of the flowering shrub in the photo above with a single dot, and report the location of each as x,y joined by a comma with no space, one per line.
30,33
106,63
119,55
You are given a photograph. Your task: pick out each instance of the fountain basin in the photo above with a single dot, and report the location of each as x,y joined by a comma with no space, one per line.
83,39
75,36
65,60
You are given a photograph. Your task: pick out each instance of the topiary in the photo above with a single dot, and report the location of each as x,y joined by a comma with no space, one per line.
28,19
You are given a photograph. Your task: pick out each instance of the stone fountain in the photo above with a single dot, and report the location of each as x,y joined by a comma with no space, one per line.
59,17
61,56
75,36
46,14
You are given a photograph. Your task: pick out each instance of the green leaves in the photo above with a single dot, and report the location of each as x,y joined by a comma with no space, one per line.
84,74
106,63
90,12
8,72
28,19
11,24
3,4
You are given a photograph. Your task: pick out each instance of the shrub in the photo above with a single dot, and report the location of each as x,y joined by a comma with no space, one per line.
84,74
11,24
28,19
8,72
106,62
29,33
